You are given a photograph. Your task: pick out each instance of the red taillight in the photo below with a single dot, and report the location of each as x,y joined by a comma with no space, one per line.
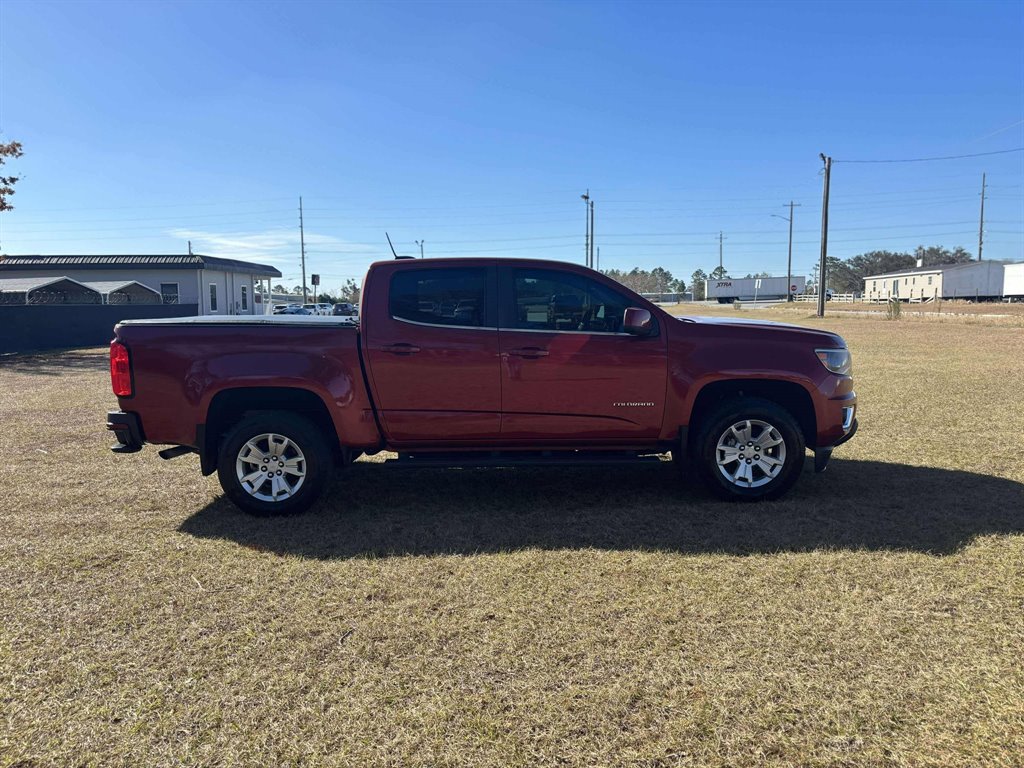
120,370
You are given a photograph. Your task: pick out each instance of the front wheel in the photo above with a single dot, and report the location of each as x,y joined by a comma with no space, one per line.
273,463
749,450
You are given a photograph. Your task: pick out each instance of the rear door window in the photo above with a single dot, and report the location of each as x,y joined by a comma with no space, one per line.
455,297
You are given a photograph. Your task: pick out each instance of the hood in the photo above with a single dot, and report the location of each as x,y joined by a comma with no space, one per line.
770,327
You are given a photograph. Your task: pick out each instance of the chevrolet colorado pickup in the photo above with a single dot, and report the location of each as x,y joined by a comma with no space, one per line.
481,362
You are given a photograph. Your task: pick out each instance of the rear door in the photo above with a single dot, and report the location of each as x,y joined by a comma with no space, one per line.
431,346
568,371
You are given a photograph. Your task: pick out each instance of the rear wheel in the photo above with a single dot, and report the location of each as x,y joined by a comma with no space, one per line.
273,463
749,450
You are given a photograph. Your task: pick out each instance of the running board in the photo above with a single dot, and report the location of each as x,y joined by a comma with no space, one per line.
480,459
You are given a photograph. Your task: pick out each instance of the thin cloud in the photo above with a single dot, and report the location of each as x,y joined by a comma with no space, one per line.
277,247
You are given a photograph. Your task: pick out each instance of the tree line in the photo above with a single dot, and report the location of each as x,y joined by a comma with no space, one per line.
349,292
844,275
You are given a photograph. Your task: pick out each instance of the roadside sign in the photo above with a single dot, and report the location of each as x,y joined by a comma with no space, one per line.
316,279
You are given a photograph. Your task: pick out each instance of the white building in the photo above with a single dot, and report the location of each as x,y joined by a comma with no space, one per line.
975,279
214,286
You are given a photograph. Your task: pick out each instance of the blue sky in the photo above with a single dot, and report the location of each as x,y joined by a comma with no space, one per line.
475,127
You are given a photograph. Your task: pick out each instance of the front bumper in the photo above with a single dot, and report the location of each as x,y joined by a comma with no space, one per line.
850,432
127,429
823,454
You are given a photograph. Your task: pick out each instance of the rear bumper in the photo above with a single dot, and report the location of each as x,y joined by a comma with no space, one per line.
127,429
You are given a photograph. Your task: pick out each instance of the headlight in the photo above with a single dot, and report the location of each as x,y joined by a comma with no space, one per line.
836,360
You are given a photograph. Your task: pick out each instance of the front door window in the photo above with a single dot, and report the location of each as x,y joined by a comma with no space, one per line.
546,300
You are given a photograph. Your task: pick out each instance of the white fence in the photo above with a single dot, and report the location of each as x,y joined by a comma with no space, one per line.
847,297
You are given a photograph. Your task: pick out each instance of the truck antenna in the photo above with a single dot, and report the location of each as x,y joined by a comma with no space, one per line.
392,246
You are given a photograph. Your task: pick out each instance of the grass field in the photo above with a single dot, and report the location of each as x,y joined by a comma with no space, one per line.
528,617
989,311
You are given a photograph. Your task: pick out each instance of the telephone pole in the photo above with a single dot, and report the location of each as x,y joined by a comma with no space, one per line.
591,234
720,239
302,246
822,274
599,258
420,244
586,223
981,221
789,262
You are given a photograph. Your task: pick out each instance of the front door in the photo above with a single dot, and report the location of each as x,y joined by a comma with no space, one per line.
432,353
568,371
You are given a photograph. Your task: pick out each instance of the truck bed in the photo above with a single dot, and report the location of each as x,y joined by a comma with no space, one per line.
181,365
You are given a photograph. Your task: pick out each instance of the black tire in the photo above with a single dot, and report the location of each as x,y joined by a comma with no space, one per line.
307,450
705,453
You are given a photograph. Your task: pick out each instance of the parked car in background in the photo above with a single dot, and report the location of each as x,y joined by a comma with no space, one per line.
292,309
482,362
343,309
318,309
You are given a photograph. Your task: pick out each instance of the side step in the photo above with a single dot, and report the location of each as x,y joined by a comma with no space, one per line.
481,459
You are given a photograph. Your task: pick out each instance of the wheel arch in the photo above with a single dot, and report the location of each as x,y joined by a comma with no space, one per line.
231,405
787,394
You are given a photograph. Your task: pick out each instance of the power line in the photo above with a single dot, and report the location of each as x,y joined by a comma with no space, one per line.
930,159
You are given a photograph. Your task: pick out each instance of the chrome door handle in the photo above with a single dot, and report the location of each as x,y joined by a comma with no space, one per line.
400,348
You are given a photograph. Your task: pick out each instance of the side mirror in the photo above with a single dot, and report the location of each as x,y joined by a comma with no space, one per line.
637,321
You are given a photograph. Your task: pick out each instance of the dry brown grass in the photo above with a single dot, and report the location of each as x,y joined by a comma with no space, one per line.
528,617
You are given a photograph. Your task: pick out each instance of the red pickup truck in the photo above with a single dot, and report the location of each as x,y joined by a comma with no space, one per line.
481,362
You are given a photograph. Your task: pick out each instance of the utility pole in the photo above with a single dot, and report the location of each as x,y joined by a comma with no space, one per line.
591,234
302,246
981,221
599,258
789,261
822,274
586,222
420,244
720,239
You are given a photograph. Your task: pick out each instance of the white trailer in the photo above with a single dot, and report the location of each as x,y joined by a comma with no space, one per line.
750,288
1013,281
976,279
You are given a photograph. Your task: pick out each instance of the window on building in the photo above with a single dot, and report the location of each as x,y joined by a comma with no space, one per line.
913,281
245,297
440,296
904,281
213,297
169,293
929,279
562,301
874,285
